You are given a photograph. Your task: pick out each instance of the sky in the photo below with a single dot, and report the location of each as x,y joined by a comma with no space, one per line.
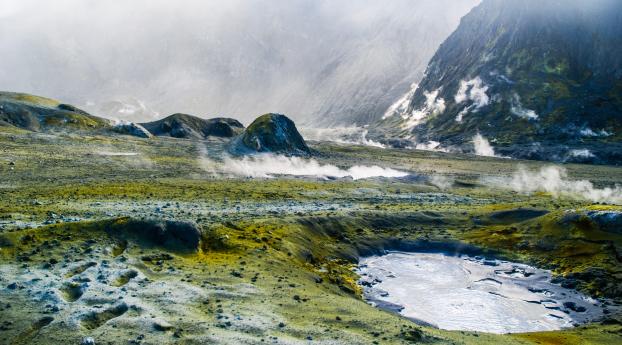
320,62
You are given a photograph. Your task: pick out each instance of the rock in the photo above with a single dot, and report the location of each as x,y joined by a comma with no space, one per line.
36,113
608,221
192,127
515,215
133,129
271,133
179,236
162,326
88,341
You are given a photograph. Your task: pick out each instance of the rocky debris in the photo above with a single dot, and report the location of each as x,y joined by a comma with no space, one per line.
162,326
608,221
271,133
592,278
173,235
192,127
88,341
133,129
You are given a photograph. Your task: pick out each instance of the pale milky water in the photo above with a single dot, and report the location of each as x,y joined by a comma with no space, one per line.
472,294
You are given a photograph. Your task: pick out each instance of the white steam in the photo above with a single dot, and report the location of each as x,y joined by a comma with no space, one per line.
473,90
581,153
400,107
431,146
442,182
342,135
588,132
554,180
482,147
520,111
433,105
269,165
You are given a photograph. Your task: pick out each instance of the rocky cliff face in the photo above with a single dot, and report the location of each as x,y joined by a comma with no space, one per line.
523,74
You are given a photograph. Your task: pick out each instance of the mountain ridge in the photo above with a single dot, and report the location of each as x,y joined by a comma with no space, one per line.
526,73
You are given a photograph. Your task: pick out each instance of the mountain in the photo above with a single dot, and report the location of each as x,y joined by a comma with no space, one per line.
322,60
40,114
271,133
538,78
189,126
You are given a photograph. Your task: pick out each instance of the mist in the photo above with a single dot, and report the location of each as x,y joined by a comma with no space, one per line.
318,61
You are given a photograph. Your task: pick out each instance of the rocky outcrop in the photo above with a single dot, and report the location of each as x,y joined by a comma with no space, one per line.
271,133
36,113
176,236
192,127
133,129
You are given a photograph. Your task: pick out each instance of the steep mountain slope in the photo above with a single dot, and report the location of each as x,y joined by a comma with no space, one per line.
189,126
39,114
533,76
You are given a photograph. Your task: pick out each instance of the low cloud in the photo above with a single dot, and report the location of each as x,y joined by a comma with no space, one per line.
554,180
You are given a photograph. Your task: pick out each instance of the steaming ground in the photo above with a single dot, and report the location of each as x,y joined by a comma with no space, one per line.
555,181
342,135
276,255
270,165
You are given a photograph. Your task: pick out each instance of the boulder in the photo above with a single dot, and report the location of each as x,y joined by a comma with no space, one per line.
133,129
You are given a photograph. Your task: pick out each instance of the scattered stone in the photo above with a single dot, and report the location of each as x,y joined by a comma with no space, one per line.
88,341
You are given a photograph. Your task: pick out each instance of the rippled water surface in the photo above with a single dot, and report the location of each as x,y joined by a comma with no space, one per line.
473,294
